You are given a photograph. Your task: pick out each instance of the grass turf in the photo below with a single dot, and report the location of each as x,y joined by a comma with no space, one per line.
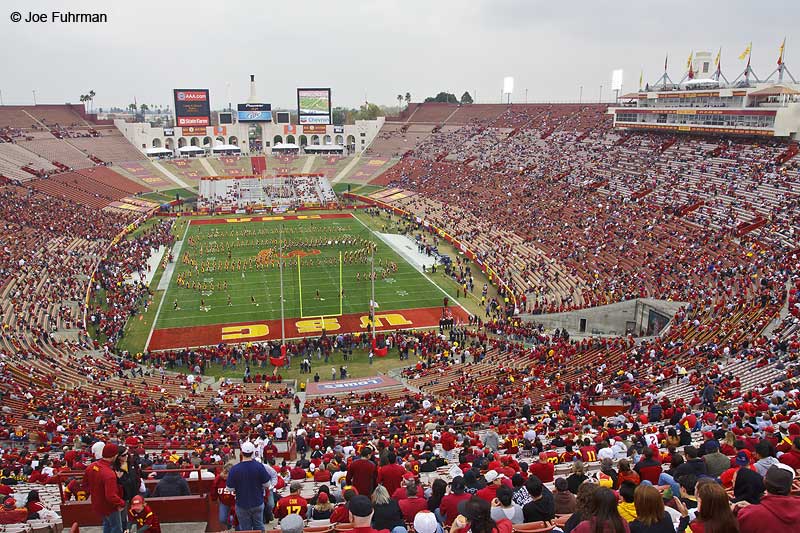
404,289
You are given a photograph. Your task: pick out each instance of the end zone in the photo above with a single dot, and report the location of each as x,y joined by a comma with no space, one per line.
266,330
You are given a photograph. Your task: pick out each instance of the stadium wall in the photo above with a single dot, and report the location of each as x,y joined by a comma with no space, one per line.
357,136
614,319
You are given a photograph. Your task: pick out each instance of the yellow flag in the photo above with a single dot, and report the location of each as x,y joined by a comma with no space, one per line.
780,55
746,51
719,54
641,76
689,61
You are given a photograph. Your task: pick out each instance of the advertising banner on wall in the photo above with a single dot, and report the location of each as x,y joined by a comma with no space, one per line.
313,129
254,112
191,130
314,105
192,107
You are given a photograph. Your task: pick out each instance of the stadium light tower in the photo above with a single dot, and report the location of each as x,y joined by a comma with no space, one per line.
616,82
508,87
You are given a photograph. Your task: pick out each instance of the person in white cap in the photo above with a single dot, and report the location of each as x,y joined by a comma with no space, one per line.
493,482
248,480
425,522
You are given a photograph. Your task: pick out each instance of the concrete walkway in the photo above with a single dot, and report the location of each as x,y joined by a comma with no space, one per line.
206,165
175,179
346,170
308,164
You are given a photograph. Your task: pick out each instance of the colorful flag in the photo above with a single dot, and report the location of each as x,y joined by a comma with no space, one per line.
689,61
746,51
780,55
719,55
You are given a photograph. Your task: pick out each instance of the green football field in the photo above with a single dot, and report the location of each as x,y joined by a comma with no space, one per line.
227,266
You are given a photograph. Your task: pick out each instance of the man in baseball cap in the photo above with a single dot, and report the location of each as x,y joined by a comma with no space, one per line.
777,512
493,481
248,479
142,518
105,504
361,514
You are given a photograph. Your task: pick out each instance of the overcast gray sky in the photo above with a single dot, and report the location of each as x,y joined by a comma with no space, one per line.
375,49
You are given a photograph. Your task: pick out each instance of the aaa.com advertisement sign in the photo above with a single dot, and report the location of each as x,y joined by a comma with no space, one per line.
192,107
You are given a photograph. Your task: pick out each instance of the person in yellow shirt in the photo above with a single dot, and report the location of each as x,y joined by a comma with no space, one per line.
626,508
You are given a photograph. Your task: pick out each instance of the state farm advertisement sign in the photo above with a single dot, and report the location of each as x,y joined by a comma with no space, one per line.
192,107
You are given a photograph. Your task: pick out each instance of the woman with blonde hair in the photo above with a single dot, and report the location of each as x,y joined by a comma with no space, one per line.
728,444
387,513
323,509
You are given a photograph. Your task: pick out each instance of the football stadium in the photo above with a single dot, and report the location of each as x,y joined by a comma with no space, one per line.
503,267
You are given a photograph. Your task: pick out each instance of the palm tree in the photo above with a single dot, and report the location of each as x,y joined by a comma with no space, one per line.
90,98
132,108
144,108
399,103
84,99
408,99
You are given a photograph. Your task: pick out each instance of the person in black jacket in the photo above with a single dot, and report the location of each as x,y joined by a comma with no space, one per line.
128,475
542,505
387,513
172,484
693,465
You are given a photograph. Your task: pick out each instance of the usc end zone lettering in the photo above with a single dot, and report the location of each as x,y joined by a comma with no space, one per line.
392,319
234,220
315,325
236,333
242,332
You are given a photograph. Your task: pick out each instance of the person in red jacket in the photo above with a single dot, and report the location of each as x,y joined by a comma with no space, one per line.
391,475
142,517
293,503
225,496
493,482
543,469
341,512
362,473
777,512
408,480
412,504
448,445
448,507
9,514
104,491
792,457
322,475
